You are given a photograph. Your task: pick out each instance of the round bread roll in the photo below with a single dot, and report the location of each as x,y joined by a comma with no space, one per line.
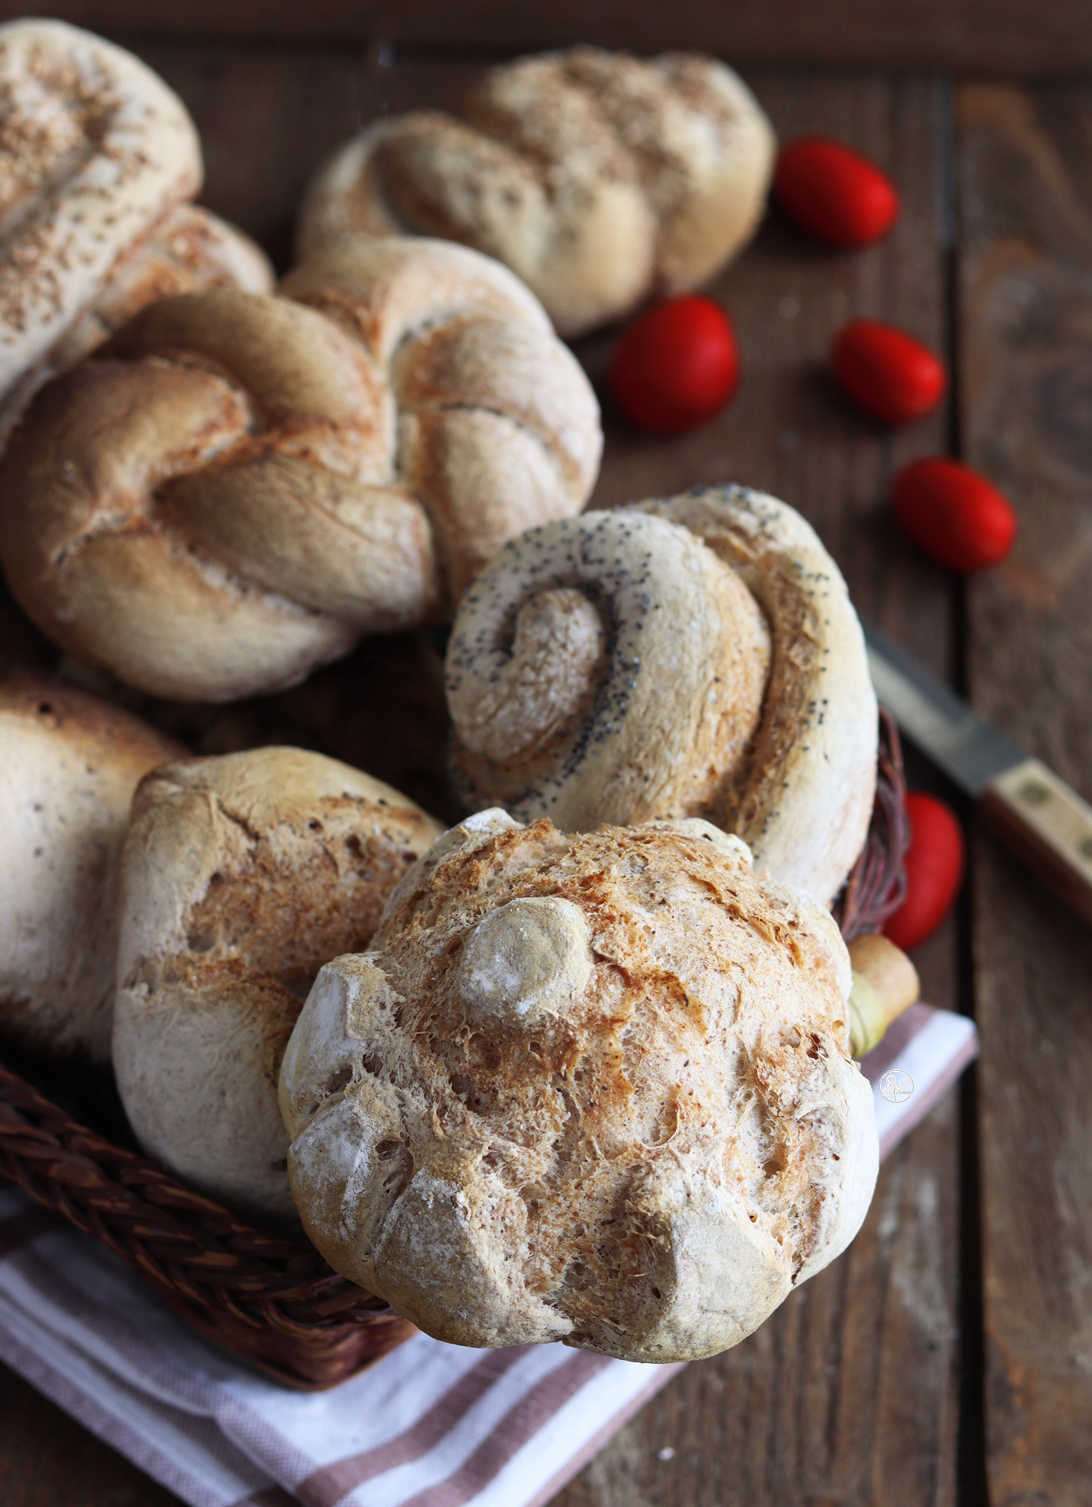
97,150
594,1089
241,876
598,178
69,764
697,656
237,488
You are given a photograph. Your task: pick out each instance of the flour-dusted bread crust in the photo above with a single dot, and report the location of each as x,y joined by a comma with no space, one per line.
592,1088
241,876
69,764
697,656
236,488
597,177
96,151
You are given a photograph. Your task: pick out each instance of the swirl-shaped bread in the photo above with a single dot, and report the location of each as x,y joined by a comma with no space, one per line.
592,1088
241,876
69,764
98,158
598,178
237,488
697,656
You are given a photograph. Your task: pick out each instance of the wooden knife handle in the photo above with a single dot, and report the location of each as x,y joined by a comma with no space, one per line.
1048,824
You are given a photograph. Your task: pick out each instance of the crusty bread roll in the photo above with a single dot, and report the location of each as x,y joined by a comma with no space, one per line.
96,151
697,656
237,488
241,876
592,1088
188,250
600,179
69,764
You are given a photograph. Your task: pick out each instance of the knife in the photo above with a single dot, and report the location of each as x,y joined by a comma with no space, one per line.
1029,807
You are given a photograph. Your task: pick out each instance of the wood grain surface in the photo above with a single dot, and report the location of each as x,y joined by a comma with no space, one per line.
1026,273
852,1392
992,36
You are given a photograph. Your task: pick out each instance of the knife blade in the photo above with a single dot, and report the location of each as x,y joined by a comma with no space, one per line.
1027,804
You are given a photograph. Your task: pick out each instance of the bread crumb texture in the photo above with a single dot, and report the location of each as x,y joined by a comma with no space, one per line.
594,1088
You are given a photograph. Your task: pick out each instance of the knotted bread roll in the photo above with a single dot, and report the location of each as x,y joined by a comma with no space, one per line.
241,876
598,178
69,764
237,488
98,159
591,1088
697,656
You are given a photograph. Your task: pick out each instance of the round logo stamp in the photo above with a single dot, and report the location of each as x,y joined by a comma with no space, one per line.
896,1086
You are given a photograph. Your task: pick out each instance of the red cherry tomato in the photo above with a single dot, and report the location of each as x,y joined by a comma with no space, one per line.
887,371
953,514
934,870
675,365
834,192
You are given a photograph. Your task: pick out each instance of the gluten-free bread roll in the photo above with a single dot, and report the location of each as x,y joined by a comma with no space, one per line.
241,876
598,177
69,763
594,1088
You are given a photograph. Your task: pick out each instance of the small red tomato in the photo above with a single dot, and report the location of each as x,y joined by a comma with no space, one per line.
934,870
834,192
675,365
953,514
887,371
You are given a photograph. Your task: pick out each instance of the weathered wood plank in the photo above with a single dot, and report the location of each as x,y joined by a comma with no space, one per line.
1027,296
977,35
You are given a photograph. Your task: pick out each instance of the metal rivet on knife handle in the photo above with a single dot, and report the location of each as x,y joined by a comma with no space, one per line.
1048,824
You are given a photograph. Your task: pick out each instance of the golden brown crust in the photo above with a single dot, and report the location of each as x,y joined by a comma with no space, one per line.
96,150
594,1088
241,875
69,764
597,177
237,487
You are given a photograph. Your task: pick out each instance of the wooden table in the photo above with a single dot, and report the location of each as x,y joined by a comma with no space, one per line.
948,1356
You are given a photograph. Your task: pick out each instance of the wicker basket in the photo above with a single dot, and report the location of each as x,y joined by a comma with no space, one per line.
274,1301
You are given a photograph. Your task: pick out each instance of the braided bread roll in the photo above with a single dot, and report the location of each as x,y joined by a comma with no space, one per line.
241,876
69,764
593,1088
98,159
600,179
237,488
697,656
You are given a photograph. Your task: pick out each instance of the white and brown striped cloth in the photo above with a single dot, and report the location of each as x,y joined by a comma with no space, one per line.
429,1425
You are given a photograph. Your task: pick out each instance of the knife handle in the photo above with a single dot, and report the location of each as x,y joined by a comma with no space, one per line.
1048,824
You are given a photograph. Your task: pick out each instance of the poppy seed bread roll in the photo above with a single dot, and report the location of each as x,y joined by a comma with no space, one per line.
592,1088
697,656
241,876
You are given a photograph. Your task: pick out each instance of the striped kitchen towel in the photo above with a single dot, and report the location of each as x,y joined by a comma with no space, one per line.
429,1425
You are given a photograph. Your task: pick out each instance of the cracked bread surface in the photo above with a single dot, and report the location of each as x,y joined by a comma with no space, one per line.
241,875
591,1087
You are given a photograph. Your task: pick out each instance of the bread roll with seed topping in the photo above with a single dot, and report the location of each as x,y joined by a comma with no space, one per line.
599,178
241,876
594,1088
692,656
